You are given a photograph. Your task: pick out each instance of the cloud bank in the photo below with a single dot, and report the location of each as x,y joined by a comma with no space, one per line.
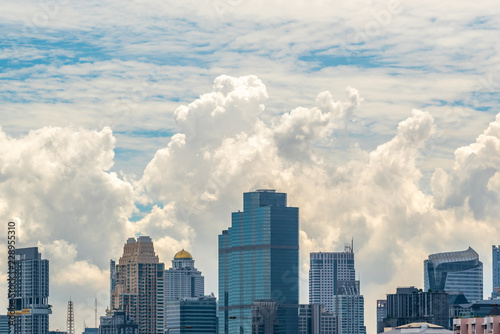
57,182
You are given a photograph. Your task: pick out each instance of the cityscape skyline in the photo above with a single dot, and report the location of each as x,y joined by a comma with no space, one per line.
323,266
379,119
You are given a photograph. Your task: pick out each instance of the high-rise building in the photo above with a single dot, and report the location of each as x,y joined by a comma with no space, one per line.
259,260
495,258
4,324
325,271
139,289
31,292
314,319
192,315
332,283
381,314
112,282
455,272
409,305
183,280
265,317
118,323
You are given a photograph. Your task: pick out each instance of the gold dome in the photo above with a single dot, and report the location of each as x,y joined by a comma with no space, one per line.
183,255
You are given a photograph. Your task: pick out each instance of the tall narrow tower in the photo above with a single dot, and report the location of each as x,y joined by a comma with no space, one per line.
139,290
70,322
30,298
258,261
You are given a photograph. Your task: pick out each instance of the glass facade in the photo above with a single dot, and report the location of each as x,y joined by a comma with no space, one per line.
259,260
200,314
455,272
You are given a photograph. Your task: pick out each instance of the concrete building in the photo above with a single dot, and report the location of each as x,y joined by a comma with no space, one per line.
265,317
199,314
112,282
332,283
486,325
31,292
183,280
326,270
419,328
455,272
139,289
411,305
314,319
259,260
118,323
381,314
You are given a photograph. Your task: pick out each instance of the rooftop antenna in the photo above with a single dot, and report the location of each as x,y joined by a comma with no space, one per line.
352,244
70,324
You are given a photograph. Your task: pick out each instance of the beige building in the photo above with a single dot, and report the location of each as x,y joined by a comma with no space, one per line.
139,290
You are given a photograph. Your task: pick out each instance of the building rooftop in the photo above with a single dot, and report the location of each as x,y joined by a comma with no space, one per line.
466,255
183,255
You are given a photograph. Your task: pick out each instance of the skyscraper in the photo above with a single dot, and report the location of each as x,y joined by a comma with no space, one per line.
112,282
455,272
332,283
314,319
139,289
495,258
381,314
258,260
31,292
199,314
183,280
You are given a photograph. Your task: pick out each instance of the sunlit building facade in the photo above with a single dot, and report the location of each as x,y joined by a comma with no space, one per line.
139,289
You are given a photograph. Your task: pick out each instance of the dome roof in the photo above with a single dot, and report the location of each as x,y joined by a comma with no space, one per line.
183,255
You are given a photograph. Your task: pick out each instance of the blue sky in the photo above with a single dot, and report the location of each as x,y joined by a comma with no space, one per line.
121,95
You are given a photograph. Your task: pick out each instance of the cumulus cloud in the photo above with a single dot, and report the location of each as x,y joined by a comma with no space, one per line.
475,177
58,182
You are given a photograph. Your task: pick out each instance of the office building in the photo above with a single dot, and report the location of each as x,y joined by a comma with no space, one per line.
350,313
199,314
314,319
4,324
183,280
381,314
495,259
259,260
139,289
332,283
325,271
118,323
411,305
31,292
455,272
112,282
88,330
265,317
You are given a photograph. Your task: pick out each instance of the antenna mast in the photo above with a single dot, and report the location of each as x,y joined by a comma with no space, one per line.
70,324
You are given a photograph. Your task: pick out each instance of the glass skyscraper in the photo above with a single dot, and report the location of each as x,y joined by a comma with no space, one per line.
259,260
455,271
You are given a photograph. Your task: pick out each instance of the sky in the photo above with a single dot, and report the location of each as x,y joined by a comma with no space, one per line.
121,118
